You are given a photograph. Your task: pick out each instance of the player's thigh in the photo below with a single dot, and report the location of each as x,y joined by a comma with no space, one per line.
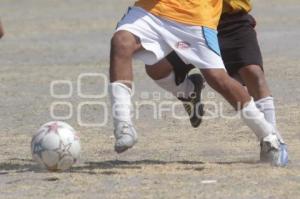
145,27
238,42
159,70
124,42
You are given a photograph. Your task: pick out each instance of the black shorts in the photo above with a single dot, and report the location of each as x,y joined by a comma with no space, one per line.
238,42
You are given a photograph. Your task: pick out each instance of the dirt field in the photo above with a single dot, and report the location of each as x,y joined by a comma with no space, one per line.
53,40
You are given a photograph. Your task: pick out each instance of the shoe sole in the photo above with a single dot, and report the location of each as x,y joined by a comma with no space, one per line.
282,157
123,149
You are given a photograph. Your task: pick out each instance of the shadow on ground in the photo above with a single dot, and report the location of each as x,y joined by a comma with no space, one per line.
18,166
109,165
28,165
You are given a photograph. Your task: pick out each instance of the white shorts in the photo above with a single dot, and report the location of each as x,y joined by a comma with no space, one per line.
194,44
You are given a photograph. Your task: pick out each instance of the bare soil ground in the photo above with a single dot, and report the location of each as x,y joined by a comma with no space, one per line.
59,40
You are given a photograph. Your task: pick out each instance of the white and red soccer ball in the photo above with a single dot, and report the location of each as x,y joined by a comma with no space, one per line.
55,146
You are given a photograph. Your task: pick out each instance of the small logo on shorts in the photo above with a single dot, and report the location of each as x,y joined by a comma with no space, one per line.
182,45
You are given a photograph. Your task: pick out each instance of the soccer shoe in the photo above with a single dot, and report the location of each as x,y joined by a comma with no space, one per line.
273,151
125,135
192,104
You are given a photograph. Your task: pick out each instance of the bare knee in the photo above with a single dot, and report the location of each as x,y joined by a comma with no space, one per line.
254,73
255,80
123,43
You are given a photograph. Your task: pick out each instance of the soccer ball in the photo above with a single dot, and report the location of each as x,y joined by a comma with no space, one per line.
55,146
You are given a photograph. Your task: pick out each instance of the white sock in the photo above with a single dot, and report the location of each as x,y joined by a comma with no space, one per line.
266,105
182,90
256,121
121,102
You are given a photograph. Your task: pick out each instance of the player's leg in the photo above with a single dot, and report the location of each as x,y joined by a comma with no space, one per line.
237,96
255,81
257,86
123,46
229,88
234,92
135,37
242,56
187,89
207,58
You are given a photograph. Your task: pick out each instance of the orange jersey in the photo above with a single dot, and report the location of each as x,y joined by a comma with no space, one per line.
232,6
191,12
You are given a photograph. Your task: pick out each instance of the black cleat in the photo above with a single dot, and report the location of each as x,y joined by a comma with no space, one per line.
192,104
